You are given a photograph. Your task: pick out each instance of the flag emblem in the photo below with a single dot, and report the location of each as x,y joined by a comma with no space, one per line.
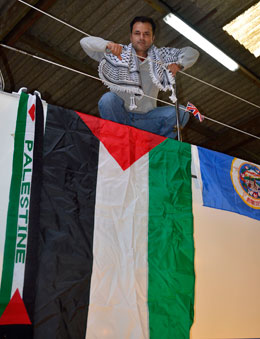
31,111
246,181
191,108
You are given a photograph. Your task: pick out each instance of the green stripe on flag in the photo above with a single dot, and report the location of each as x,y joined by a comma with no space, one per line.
12,215
170,242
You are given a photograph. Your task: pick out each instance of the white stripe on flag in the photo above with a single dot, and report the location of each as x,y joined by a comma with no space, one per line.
8,111
118,295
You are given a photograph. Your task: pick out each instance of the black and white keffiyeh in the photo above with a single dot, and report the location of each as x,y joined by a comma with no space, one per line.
124,75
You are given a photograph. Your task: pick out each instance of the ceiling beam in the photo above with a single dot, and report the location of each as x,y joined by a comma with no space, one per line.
221,143
27,19
248,155
197,127
56,55
243,142
11,14
8,70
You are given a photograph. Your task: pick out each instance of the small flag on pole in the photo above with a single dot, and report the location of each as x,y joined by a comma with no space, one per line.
191,108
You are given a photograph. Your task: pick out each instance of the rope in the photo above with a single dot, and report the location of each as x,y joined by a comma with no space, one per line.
96,78
86,34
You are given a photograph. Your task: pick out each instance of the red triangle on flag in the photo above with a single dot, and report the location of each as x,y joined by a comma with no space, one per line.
15,312
125,143
32,112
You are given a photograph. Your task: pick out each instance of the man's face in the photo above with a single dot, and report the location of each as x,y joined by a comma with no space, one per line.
142,37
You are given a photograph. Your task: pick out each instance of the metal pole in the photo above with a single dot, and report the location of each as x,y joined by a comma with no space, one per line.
177,115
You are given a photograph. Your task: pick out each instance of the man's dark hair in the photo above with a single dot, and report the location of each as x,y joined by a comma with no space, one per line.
143,19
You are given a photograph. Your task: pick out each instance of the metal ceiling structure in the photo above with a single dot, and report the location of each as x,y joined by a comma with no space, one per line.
26,29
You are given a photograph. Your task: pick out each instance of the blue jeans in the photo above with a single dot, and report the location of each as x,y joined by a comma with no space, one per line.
161,120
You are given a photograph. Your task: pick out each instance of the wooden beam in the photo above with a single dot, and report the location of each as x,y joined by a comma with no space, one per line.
8,70
26,21
246,154
11,15
56,55
230,135
197,127
249,75
157,6
243,142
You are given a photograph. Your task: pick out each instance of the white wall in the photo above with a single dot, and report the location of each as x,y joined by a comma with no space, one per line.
227,265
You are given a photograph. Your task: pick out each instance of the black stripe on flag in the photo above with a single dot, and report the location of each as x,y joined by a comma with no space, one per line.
70,160
16,332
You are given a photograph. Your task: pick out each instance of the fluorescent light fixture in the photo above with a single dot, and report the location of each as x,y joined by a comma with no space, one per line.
203,43
246,29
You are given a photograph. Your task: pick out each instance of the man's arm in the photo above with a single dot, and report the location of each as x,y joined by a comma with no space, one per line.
95,47
186,59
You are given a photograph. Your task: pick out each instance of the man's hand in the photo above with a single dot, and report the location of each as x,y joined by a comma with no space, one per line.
115,49
174,68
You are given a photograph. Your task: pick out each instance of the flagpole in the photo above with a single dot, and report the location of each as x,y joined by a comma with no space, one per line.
177,115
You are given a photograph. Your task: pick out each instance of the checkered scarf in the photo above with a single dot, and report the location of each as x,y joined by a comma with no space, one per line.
123,75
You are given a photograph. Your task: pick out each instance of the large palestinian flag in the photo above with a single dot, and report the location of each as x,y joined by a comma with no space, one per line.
117,235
